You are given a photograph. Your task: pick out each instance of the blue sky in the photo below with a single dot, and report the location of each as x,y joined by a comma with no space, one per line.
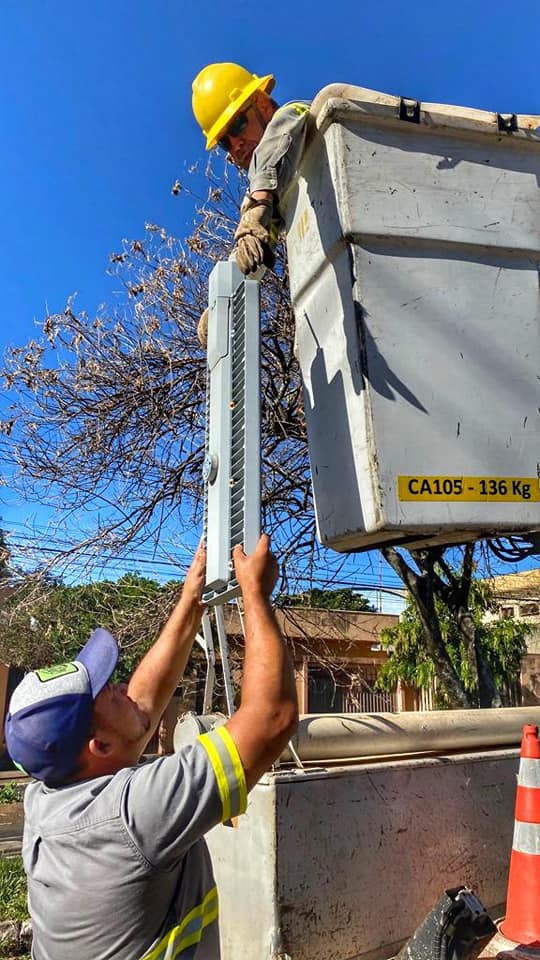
95,109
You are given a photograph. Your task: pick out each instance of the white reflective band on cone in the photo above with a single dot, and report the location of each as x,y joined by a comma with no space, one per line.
526,837
529,773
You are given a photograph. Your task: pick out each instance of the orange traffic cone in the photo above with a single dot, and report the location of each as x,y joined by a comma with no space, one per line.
522,922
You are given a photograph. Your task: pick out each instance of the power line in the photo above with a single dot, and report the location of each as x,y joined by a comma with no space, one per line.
70,546
136,559
107,558
320,581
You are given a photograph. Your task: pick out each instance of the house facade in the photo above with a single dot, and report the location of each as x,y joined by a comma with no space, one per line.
517,597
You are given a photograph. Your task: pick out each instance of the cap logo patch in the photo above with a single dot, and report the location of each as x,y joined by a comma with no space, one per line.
58,670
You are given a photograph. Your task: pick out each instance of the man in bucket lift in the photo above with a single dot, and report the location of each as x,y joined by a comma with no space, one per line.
234,109
114,851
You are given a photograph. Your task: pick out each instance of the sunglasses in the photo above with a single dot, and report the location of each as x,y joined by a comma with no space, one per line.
235,128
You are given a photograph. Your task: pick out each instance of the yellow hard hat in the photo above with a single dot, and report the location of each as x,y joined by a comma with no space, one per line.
220,91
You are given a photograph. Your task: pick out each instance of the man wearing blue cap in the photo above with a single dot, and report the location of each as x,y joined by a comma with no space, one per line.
114,852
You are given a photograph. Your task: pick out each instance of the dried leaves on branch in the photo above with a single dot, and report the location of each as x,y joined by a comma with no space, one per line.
107,416
106,427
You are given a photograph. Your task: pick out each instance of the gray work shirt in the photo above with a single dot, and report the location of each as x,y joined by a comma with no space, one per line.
275,160
276,157
117,867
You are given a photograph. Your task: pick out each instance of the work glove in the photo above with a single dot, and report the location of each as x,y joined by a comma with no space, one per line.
202,329
253,247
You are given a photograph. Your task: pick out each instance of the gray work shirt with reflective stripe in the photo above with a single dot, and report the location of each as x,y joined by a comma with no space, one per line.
117,867
276,157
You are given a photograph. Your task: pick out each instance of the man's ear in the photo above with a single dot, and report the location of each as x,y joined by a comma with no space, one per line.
266,106
99,748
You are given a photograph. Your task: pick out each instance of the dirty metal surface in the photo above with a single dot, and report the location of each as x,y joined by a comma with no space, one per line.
344,864
244,858
374,850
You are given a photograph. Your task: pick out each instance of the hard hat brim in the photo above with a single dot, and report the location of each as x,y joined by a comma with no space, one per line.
265,84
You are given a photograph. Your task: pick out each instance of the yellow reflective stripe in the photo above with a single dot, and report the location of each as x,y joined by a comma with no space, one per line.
232,750
228,770
209,914
298,108
274,232
179,939
221,776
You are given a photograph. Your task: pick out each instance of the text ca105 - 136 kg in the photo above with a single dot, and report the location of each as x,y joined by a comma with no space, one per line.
510,489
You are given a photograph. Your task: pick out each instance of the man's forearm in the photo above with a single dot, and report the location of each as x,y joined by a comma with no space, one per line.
267,664
262,195
268,711
161,669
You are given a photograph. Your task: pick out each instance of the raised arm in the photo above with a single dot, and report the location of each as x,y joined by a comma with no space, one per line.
161,669
268,712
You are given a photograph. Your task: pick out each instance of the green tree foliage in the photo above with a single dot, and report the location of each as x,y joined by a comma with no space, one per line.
345,599
502,644
51,623
10,792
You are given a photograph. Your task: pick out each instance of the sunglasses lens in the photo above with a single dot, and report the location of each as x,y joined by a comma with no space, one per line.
235,128
238,125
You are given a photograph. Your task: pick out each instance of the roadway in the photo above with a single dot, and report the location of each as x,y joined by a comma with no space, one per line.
11,828
11,817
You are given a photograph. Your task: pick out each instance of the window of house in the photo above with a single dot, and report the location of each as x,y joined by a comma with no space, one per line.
507,613
324,695
349,689
529,609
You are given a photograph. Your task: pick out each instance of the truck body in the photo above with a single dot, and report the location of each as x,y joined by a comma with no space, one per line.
344,862
342,857
413,240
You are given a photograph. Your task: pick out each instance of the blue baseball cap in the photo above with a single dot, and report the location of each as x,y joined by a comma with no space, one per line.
50,711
